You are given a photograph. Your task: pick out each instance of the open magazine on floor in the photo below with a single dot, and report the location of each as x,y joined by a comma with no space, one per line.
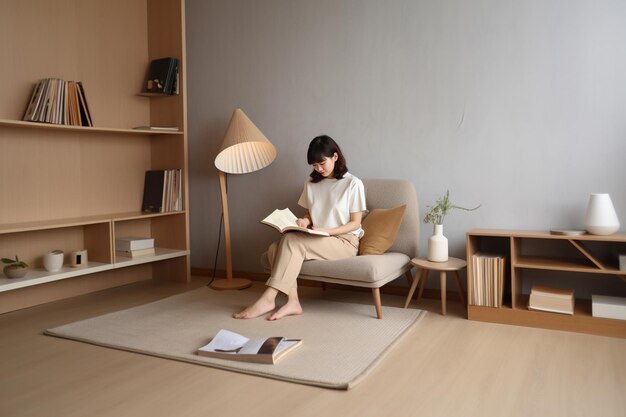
230,345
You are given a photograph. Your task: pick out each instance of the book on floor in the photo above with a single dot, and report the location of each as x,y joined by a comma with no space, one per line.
233,346
552,300
285,221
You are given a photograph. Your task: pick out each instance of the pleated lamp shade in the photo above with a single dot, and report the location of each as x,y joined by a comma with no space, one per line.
244,148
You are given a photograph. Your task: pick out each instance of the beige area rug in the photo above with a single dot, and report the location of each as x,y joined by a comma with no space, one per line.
342,341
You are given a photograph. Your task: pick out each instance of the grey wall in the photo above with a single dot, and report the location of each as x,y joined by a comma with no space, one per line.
517,105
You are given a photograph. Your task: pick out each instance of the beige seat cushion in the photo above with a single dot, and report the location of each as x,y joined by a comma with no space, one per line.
365,271
381,228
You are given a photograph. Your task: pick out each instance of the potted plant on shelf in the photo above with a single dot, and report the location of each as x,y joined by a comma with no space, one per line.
438,243
14,267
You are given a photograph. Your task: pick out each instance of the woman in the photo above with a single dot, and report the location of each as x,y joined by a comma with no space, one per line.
334,201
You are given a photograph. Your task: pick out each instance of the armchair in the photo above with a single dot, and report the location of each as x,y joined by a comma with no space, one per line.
374,271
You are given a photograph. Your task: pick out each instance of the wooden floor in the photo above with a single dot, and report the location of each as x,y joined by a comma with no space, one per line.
446,366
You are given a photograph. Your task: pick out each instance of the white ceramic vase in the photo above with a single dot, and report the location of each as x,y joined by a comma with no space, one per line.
601,218
53,261
438,245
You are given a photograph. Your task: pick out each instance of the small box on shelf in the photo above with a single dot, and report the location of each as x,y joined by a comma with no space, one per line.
608,307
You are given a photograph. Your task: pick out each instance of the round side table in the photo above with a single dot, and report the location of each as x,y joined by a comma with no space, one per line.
424,266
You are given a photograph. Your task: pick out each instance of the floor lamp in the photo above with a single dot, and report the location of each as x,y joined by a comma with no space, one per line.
244,149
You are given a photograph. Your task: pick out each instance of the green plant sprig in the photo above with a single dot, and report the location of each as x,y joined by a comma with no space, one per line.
15,262
442,207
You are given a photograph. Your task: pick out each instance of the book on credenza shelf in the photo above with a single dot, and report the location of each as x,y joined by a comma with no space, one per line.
608,307
233,346
486,288
285,221
162,191
57,101
133,243
552,300
163,76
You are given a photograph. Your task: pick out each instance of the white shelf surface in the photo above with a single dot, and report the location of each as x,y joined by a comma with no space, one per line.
160,255
41,276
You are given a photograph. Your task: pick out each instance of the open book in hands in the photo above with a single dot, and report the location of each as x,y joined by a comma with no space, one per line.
284,221
231,345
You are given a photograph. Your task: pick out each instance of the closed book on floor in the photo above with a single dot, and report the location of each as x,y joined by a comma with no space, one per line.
552,300
233,346
608,307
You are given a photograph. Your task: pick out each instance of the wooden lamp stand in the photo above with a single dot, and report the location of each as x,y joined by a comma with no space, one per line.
228,283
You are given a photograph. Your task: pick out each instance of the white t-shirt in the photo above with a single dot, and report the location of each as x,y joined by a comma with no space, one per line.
331,201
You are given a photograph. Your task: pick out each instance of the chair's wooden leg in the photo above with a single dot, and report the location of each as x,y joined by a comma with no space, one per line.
377,303
323,286
416,280
409,277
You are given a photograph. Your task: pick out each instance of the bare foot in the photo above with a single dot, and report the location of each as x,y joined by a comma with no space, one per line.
260,307
292,308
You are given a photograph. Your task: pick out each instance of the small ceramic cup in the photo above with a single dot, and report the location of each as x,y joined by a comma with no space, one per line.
53,261
78,258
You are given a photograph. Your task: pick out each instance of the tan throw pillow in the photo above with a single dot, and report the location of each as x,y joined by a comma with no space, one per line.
381,227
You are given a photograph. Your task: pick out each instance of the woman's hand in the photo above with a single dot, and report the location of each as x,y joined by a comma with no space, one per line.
304,222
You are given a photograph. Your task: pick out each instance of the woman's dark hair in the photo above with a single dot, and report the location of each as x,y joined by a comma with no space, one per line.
321,147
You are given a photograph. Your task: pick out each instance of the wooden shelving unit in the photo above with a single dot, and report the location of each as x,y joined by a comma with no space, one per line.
586,254
72,187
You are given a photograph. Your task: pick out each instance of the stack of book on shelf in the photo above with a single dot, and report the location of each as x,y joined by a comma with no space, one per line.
487,283
608,307
131,247
553,300
162,191
163,76
58,102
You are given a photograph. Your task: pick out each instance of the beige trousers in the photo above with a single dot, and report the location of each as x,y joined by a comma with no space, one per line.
287,255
